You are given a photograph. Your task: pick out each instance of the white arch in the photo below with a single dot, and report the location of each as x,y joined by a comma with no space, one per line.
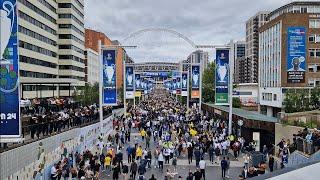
191,43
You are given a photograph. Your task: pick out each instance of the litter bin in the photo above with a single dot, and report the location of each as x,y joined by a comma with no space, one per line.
256,157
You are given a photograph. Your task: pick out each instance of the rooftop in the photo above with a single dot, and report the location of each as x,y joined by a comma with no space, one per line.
295,3
245,114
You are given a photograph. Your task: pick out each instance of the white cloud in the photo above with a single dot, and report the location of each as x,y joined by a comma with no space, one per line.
203,21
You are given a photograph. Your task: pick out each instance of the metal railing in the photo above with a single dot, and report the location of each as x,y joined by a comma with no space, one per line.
39,131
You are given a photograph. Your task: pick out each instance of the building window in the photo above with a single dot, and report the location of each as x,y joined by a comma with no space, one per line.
35,61
35,35
314,38
71,16
274,97
36,74
37,10
37,23
69,5
314,23
37,49
314,53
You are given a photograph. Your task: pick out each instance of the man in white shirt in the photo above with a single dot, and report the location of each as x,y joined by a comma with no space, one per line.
202,165
53,172
224,147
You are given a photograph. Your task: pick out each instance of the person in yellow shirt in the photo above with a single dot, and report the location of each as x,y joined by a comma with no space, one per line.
107,161
143,134
139,152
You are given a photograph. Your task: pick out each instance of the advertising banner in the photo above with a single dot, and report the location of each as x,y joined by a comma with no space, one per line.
138,82
10,125
195,84
130,94
109,77
296,54
178,85
129,78
222,77
129,82
184,84
174,86
137,93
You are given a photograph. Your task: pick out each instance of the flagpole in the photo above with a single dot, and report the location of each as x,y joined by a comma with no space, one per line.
101,82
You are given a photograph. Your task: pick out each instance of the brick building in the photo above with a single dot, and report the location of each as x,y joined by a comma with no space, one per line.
289,53
92,38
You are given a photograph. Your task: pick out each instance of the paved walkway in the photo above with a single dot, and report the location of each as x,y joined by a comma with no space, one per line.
213,170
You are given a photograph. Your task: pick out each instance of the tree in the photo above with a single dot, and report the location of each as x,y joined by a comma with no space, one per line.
299,100
208,83
88,95
315,98
236,103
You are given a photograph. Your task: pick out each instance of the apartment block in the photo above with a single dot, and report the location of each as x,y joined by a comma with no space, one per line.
250,62
51,46
289,53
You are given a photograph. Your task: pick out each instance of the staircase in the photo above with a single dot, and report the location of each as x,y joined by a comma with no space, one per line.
298,157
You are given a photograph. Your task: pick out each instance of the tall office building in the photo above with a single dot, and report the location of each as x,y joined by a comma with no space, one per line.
51,44
250,61
71,41
238,53
198,56
289,53
92,66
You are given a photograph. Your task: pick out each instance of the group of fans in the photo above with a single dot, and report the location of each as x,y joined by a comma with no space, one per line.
159,134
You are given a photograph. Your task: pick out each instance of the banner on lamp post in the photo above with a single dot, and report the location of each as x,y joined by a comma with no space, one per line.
10,124
184,84
174,86
130,82
109,72
179,85
222,77
195,83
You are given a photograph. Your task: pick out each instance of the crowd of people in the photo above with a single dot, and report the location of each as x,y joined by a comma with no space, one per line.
52,115
155,137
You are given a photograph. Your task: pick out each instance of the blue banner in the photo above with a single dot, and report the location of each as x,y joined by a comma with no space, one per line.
174,84
129,78
10,125
184,83
222,77
296,54
155,74
109,77
138,82
178,83
195,84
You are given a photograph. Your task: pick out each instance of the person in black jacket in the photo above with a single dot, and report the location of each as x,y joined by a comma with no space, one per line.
224,166
116,171
133,169
197,175
125,170
271,163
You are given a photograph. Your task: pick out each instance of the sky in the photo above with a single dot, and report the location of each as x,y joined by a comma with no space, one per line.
205,22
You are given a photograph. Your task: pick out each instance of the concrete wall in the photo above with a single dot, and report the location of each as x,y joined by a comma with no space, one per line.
285,131
23,160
